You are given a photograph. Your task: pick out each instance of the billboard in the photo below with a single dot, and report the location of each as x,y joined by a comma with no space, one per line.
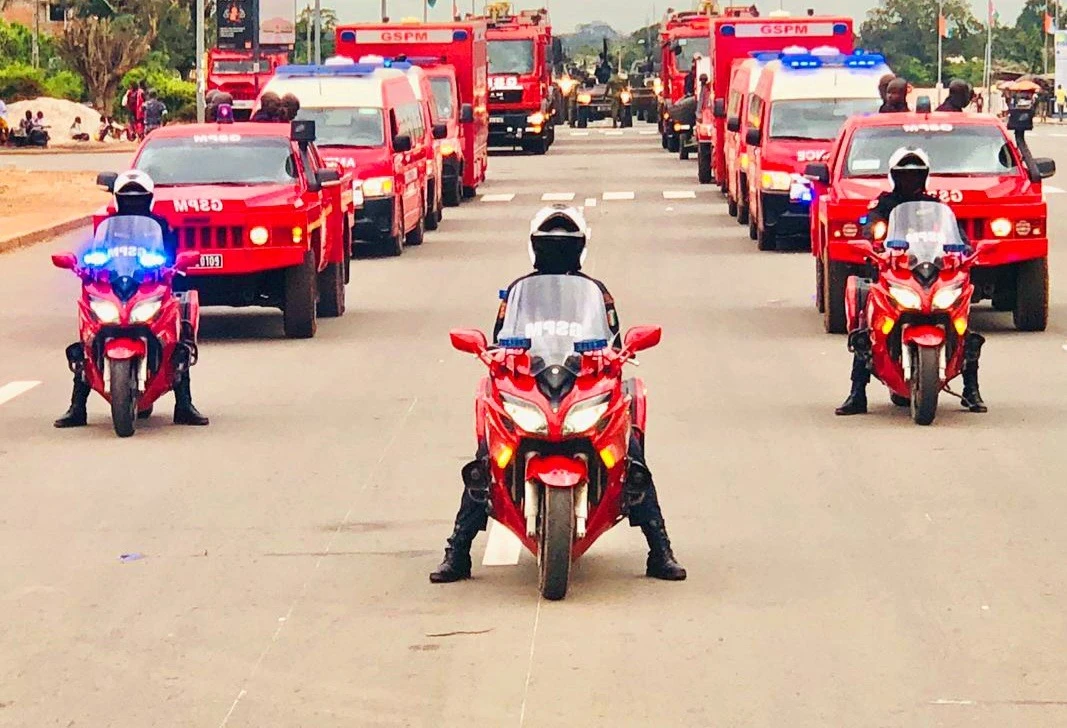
236,23
277,22
1061,58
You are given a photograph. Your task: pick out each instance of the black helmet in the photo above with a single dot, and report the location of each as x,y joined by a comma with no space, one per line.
909,169
558,237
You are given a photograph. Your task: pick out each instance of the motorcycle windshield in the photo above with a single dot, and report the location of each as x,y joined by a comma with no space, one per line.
125,245
927,230
553,313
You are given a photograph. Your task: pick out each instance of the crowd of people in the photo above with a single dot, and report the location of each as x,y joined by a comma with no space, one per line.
146,110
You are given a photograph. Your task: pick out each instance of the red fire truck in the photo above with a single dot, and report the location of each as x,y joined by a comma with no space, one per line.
521,95
443,49
683,36
234,72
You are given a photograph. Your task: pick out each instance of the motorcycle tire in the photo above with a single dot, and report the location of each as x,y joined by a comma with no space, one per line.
1031,298
124,397
925,384
299,309
683,148
331,285
742,213
766,240
350,245
666,141
556,542
898,400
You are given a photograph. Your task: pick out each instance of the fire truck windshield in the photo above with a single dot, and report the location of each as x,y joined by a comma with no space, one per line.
356,127
690,47
815,118
442,96
223,68
511,56
953,149
211,159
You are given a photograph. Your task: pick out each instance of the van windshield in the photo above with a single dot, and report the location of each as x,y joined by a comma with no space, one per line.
511,56
816,118
355,127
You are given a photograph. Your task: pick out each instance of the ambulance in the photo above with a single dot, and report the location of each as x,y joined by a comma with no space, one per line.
743,80
801,101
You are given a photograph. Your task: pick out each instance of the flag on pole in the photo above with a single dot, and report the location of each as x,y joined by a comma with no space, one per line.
992,13
1050,24
942,26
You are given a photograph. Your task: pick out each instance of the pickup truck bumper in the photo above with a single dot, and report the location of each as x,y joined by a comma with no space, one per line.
375,220
785,217
508,129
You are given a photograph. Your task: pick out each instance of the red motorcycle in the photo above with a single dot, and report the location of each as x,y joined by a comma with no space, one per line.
135,335
913,319
555,417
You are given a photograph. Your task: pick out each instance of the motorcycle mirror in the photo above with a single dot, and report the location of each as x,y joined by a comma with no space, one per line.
640,338
186,259
65,261
469,341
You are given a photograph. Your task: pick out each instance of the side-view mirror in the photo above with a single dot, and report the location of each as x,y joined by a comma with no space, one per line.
466,114
752,138
302,131
733,124
107,180
676,49
326,176
719,109
1045,168
818,172
469,341
640,338
186,259
440,131
402,143
65,261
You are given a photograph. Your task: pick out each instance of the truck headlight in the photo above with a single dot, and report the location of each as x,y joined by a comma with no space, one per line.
527,416
1001,227
584,415
105,311
259,235
535,119
585,99
378,187
145,311
780,181
626,97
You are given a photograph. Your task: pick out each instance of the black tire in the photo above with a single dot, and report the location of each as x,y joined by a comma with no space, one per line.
418,235
742,210
1031,300
731,207
704,174
753,231
537,146
350,244
124,397
820,283
432,219
299,319
556,542
683,148
898,400
331,286
627,119
673,144
766,239
925,384
453,193
666,141
835,277
469,192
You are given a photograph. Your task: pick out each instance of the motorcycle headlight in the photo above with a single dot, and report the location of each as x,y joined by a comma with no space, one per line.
105,311
905,297
584,98
527,416
879,230
776,181
584,415
947,297
145,311
378,187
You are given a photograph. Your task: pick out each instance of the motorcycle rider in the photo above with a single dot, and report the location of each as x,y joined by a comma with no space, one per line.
909,169
133,196
558,237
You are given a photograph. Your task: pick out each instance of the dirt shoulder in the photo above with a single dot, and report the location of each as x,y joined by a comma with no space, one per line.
31,201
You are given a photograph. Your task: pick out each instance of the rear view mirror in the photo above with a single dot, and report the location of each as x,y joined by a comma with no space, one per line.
402,143
466,114
302,131
440,131
1045,168
640,338
469,341
65,261
186,259
719,109
107,180
752,138
733,124
326,176
818,172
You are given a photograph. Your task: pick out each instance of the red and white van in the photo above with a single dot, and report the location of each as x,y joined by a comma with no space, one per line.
743,78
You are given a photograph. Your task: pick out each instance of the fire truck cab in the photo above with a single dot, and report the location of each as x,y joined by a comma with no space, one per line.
234,72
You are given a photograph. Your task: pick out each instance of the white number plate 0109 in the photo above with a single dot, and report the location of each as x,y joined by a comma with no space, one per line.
210,261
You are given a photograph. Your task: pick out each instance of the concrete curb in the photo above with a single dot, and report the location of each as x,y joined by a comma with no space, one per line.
59,151
37,236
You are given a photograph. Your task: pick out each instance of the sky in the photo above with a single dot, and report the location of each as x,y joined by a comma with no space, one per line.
624,15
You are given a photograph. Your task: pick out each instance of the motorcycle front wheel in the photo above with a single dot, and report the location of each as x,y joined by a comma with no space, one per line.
557,539
124,397
925,384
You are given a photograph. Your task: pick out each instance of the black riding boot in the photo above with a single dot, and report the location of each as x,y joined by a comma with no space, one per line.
184,411
856,404
473,517
972,352
645,512
76,416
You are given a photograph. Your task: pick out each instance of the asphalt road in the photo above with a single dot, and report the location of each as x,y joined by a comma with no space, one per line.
842,572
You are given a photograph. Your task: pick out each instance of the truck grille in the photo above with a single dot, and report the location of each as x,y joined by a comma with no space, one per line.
506,97
211,238
975,228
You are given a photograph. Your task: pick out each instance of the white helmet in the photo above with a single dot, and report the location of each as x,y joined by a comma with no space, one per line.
910,164
558,238
134,189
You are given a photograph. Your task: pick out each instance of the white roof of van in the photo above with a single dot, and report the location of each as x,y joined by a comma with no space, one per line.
754,73
828,82
334,92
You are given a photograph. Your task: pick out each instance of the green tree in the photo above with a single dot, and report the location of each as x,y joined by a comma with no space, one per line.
101,51
306,19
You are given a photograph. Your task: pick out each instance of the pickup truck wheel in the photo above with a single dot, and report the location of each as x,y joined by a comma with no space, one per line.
1031,300
350,244
469,192
332,291
453,193
418,235
753,231
835,278
704,174
766,239
431,221
300,321
731,206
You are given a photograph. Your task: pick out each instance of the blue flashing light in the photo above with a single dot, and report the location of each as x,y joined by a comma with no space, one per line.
955,248
348,36
728,30
503,294
587,346
95,258
765,56
224,114
515,342
863,220
840,28
897,244
346,69
854,60
152,260
460,35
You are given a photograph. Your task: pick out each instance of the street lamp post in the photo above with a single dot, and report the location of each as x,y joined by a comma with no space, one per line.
200,82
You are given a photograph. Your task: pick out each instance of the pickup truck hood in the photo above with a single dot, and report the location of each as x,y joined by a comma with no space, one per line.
973,189
361,162
210,198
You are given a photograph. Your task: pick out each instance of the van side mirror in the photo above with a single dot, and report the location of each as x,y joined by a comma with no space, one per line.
302,131
327,176
66,261
1045,168
107,180
402,143
719,109
466,114
440,131
752,137
733,124
818,172
186,259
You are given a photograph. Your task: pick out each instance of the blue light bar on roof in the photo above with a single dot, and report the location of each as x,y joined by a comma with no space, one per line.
348,69
765,56
808,60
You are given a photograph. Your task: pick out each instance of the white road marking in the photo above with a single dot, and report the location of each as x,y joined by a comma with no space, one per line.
590,202
557,197
498,198
579,133
502,548
613,133
648,132
9,391
679,195
943,701
1052,190
615,196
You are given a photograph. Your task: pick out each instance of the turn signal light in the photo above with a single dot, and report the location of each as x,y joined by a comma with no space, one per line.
887,325
1023,228
961,326
607,455
850,230
298,234
503,456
